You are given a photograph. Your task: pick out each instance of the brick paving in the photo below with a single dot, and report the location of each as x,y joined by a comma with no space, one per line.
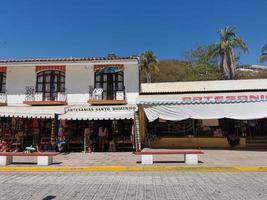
133,186
211,158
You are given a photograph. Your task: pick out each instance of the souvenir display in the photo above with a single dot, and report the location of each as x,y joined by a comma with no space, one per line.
20,133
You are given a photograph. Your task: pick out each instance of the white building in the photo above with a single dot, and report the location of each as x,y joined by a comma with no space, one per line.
89,89
78,77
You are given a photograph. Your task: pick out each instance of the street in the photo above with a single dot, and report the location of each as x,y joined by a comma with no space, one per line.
133,185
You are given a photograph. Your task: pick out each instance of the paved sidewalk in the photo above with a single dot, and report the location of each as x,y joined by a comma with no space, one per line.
210,158
133,186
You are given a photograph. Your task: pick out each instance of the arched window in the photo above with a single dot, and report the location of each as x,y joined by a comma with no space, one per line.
2,82
111,80
50,83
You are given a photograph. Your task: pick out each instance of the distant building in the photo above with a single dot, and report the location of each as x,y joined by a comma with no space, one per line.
252,68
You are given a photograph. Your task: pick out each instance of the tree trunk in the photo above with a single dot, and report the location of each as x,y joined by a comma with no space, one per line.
232,65
148,76
226,67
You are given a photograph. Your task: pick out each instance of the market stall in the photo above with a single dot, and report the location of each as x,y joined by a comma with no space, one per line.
22,127
202,120
100,128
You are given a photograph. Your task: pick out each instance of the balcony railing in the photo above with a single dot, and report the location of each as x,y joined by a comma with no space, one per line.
3,98
33,97
98,96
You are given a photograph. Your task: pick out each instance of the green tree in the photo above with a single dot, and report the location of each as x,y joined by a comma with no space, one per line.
202,67
202,72
149,65
224,50
177,70
200,55
263,56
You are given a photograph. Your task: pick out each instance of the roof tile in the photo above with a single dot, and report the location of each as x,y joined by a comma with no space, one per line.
66,59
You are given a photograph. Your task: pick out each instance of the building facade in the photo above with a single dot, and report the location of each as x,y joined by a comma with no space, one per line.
204,114
98,104
44,101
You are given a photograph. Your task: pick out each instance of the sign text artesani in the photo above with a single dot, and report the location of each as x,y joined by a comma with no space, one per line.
220,98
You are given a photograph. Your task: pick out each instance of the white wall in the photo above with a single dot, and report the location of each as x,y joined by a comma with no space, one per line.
78,79
17,80
131,82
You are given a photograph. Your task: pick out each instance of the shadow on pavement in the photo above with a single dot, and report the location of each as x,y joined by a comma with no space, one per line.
49,197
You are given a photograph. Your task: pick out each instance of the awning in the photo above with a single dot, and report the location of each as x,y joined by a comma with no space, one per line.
241,111
201,98
99,112
242,106
31,111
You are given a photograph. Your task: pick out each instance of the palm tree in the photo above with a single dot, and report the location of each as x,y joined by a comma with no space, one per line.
229,41
263,56
149,64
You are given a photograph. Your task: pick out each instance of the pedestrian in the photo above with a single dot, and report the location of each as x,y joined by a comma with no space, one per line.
61,139
88,140
102,136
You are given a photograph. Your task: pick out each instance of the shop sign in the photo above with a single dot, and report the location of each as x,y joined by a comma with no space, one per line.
101,108
225,97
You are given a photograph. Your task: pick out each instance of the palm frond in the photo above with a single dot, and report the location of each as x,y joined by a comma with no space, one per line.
264,48
222,35
238,42
214,51
229,41
263,57
149,64
227,33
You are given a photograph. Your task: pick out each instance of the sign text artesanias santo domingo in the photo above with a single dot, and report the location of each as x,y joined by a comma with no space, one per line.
100,109
219,98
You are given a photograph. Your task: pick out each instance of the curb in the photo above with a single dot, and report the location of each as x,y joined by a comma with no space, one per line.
133,169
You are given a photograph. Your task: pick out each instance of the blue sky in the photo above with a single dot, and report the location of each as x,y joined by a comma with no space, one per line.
87,28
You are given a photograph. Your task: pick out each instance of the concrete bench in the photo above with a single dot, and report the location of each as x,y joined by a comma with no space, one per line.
190,156
43,158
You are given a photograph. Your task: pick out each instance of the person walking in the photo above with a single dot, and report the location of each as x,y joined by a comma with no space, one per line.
102,136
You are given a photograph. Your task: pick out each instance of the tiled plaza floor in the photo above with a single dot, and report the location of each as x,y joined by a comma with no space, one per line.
212,158
133,186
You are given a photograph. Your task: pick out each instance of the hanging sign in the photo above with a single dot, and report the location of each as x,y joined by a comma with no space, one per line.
225,97
101,108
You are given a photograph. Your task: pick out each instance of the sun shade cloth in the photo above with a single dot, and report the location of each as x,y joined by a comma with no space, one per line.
99,113
31,111
241,111
234,105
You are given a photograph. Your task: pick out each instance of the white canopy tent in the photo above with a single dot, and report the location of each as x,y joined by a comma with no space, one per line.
31,111
242,106
241,111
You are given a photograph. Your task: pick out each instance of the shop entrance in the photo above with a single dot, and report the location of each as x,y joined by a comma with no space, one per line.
210,133
256,128
256,137
98,135
18,133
